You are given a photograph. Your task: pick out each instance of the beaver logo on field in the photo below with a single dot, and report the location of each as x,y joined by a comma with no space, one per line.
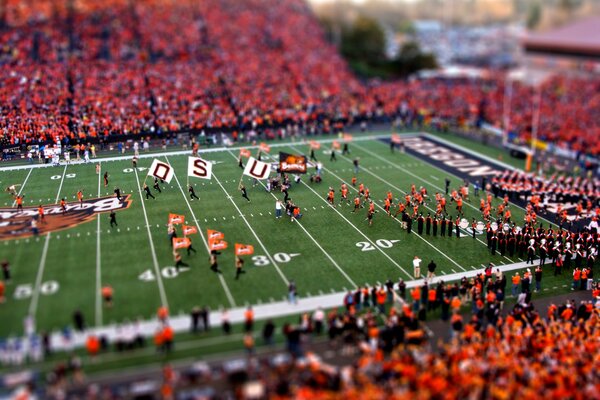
17,224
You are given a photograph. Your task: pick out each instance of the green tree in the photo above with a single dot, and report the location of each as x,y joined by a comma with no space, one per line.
534,15
364,41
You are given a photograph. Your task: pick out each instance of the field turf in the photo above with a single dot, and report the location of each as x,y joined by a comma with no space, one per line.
328,249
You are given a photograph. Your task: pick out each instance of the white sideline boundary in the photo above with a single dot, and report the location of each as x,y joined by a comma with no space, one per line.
201,151
181,323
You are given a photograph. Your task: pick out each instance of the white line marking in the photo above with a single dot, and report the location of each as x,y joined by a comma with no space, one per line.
201,232
161,288
38,280
254,233
381,208
22,186
360,232
98,268
335,264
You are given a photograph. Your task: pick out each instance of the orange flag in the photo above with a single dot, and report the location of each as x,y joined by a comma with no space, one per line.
243,249
176,219
181,243
265,147
396,138
335,144
214,235
314,145
189,230
347,137
217,244
244,152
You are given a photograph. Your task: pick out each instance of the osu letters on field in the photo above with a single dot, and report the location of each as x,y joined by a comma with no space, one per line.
257,169
199,168
161,170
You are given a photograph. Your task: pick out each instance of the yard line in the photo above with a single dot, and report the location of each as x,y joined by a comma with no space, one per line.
253,232
380,207
335,264
161,288
38,280
98,266
22,186
359,231
221,279
417,177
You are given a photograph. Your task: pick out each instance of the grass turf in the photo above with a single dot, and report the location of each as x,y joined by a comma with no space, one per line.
70,258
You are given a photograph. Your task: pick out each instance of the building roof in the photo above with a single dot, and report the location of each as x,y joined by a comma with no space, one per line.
582,36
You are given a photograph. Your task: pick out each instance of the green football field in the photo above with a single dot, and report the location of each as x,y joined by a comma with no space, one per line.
327,250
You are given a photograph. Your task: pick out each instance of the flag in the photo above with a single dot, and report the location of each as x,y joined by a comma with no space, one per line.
314,145
244,152
335,144
176,219
199,168
292,163
243,249
181,243
189,230
161,170
265,147
214,235
217,244
347,137
257,169
396,138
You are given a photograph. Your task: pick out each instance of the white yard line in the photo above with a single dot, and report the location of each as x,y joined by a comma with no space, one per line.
380,207
22,186
335,264
360,232
189,152
161,288
253,232
423,180
200,231
262,312
98,265
40,274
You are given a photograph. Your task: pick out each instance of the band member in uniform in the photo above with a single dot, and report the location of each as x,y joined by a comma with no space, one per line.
240,162
157,185
332,156
331,196
420,221
134,161
80,197
434,226
443,226
190,247
63,206
244,192
474,227
239,265
113,218
192,193
345,149
105,178
148,193
356,203
457,227
428,224
370,216
312,155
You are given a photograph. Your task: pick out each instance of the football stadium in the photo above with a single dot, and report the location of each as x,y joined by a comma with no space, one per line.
209,199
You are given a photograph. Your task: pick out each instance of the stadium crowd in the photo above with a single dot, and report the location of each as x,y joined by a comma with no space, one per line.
82,70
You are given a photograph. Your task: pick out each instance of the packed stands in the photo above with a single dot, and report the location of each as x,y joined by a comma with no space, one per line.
83,69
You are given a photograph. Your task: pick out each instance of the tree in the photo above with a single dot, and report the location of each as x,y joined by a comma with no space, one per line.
534,15
364,41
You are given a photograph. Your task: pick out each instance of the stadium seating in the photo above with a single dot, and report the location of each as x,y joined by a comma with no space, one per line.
120,67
